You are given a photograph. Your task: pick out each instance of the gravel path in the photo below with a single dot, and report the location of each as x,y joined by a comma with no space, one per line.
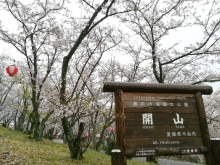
172,162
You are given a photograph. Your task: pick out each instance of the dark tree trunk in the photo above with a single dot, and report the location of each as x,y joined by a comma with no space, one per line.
21,119
69,135
98,144
37,126
50,133
74,144
29,129
20,122
77,150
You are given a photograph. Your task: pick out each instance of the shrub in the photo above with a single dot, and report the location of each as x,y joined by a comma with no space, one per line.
110,146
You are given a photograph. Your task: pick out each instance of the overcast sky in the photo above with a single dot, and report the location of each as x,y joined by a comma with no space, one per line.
185,35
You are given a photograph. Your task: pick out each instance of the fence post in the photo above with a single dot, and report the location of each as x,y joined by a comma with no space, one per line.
215,149
120,125
204,129
116,157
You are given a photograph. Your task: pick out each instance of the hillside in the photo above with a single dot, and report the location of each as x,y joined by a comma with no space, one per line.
16,148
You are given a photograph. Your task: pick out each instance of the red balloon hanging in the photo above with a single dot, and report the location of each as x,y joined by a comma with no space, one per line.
12,70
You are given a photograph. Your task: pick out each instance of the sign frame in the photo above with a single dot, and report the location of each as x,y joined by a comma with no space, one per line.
119,88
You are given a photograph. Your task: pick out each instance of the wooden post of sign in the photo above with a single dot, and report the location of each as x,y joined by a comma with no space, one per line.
204,129
119,120
216,150
116,157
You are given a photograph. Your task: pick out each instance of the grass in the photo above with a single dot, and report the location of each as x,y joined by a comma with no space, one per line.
17,149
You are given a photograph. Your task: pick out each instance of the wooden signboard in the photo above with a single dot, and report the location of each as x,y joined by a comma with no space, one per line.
157,121
160,119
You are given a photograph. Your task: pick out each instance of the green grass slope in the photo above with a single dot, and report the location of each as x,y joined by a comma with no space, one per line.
17,149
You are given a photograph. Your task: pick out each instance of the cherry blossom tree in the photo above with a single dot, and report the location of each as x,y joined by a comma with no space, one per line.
213,113
7,85
39,39
170,60
97,13
101,113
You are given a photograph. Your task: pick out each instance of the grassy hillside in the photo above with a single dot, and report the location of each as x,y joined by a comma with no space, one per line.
17,149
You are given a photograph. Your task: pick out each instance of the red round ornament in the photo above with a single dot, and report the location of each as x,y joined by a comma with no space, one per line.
12,70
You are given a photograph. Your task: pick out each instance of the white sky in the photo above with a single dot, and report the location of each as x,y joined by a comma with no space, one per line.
8,21
185,35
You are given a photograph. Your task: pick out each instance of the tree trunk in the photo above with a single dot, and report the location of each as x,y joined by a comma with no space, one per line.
28,129
41,130
77,151
20,123
69,135
50,133
37,126
42,125
98,144
15,120
74,144
21,119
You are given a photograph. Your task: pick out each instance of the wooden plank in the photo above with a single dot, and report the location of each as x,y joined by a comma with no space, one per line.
163,142
191,109
156,88
161,119
158,97
156,104
162,131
